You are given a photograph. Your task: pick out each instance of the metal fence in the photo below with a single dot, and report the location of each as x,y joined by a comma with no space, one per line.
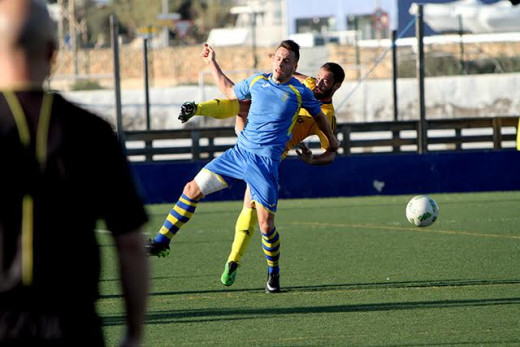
356,138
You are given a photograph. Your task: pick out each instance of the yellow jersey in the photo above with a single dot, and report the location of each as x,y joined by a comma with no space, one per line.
305,125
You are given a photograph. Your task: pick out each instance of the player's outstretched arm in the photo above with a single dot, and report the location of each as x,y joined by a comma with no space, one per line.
305,154
224,84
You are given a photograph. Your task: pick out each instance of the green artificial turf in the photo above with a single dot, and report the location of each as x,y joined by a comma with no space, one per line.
354,272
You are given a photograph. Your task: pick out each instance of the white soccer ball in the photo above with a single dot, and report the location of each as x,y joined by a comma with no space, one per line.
422,211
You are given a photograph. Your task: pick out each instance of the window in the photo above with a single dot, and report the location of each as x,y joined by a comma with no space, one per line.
315,24
370,26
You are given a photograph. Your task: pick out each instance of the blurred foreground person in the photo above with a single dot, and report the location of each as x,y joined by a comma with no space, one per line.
62,169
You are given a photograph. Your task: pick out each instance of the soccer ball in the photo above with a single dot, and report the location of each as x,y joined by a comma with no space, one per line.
422,211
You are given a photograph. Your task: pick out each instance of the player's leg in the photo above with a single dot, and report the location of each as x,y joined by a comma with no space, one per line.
215,176
205,183
179,215
262,178
271,248
216,108
244,230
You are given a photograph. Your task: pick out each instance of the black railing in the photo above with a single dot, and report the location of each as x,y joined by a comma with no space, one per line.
356,138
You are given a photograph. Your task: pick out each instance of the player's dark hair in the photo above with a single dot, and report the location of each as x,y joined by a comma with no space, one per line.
337,71
292,46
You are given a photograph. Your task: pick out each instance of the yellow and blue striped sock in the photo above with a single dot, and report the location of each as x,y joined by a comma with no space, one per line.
271,247
179,215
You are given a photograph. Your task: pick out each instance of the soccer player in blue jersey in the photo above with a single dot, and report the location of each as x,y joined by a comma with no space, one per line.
276,99
329,79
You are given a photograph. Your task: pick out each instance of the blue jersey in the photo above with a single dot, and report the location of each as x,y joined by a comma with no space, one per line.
273,112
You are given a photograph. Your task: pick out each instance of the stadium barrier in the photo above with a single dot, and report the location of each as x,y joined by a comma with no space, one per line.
465,155
359,175
356,138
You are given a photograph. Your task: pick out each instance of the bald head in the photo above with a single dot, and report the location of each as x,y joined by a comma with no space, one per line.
27,41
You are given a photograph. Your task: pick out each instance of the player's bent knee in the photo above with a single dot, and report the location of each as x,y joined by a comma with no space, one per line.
265,225
192,191
209,182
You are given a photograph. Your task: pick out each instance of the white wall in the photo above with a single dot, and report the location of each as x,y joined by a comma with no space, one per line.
446,97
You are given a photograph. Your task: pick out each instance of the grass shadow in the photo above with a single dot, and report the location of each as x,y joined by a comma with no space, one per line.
204,315
337,287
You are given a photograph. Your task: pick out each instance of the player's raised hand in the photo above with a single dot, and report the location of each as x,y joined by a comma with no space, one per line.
304,153
208,53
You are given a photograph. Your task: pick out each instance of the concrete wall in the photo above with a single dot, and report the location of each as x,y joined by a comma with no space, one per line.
446,97
174,76
181,65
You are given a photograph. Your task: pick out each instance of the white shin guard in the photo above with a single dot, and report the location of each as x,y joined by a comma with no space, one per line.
209,182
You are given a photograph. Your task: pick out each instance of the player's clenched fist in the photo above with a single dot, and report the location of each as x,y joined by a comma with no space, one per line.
208,54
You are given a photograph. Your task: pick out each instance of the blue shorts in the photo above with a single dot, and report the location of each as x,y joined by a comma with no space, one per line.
260,173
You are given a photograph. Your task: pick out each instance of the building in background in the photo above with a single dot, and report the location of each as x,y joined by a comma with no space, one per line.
445,18
472,16
309,22
337,20
258,23
312,23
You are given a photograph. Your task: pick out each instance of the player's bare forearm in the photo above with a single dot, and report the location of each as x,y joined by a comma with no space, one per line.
241,119
324,158
305,154
240,124
244,108
299,76
324,126
134,281
224,84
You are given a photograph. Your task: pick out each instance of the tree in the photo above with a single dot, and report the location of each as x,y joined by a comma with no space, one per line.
98,25
210,14
133,14
205,14
137,13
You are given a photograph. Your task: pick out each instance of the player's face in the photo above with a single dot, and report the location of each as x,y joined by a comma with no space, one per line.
324,85
284,65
